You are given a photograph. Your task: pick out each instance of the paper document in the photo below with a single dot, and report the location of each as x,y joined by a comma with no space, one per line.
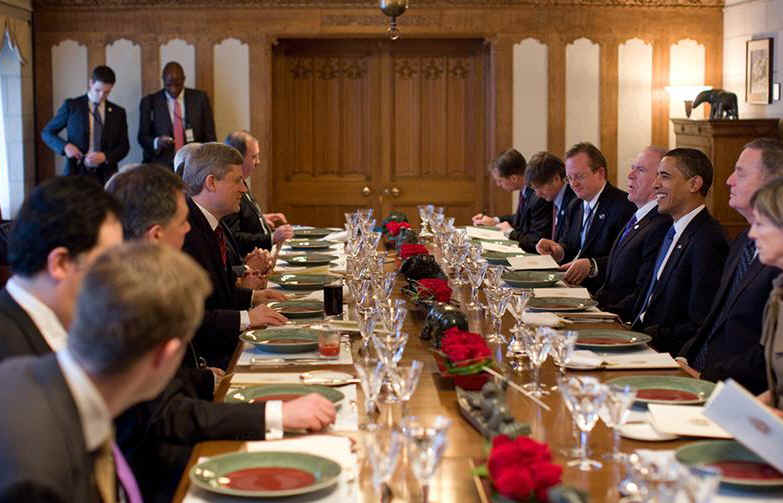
484,233
532,262
501,248
684,420
752,423
646,359
572,293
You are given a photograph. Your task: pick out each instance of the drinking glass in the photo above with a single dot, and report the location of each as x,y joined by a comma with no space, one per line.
390,347
383,284
404,379
497,302
426,443
538,343
382,447
702,483
614,413
392,314
516,351
371,372
494,277
476,271
563,344
585,395
517,305
366,323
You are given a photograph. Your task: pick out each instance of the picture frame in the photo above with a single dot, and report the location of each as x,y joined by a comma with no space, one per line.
758,71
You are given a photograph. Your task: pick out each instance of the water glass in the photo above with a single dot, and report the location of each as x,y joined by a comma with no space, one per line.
404,380
382,448
614,412
584,397
497,302
563,344
371,372
426,443
476,271
538,343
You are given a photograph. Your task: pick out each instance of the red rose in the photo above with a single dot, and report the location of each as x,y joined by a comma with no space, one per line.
409,250
515,484
395,227
458,353
522,466
545,475
439,288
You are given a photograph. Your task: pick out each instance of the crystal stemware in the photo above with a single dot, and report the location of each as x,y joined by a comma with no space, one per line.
476,271
366,323
497,302
538,343
390,347
701,484
382,447
426,443
585,396
494,277
517,306
562,350
404,379
371,372
614,413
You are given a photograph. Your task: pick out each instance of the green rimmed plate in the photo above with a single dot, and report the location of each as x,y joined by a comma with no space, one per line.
299,309
216,474
532,279
301,281
499,258
504,242
309,244
610,339
282,340
315,233
560,304
309,259
741,466
284,392
667,389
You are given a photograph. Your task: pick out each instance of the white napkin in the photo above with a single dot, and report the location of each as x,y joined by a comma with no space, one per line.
543,319
499,247
571,293
328,446
646,359
253,378
584,358
532,262
685,420
347,413
484,233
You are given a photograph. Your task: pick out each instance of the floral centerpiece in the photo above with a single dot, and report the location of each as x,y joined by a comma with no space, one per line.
433,288
410,250
393,228
462,357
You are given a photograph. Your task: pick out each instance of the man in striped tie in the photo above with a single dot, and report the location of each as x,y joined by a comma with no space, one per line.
728,345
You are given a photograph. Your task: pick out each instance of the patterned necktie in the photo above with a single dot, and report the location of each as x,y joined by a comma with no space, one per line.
667,242
179,131
221,238
627,229
97,129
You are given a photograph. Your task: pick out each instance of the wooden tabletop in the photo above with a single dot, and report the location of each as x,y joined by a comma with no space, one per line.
453,481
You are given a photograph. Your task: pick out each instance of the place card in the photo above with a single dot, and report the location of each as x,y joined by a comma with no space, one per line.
532,262
752,423
686,420
571,293
543,319
484,233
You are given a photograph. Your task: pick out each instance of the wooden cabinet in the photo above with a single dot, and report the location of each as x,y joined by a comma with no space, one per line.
722,141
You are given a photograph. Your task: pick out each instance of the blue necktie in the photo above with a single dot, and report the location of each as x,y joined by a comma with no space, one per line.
667,242
743,264
588,219
627,229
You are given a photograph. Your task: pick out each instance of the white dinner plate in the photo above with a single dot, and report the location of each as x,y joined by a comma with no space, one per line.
644,432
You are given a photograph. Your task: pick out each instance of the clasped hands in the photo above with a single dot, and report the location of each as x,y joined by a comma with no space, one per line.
92,159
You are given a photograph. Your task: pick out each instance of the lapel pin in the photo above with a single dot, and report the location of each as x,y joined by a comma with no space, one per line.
679,247
601,216
109,109
635,226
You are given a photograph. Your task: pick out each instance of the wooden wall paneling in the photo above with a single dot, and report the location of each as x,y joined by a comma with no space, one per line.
458,77
354,158
501,78
205,66
556,95
327,116
303,114
609,88
261,74
150,64
434,95
385,139
660,101
281,143
44,108
96,52
407,117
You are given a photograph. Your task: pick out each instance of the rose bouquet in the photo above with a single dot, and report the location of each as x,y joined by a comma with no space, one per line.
410,250
521,469
393,228
433,288
462,358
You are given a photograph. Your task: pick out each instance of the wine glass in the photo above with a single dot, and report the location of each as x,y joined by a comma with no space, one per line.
404,379
538,342
614,413
494,277
563,343
393,312
476,271
585,396
371,372
366,323
517,306
497,302
426,443
383,284
390,347
382,448
702,483
516,351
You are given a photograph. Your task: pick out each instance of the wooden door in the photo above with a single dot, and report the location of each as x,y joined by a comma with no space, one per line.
374,123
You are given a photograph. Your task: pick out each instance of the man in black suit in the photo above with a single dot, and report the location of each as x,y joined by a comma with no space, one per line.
728,343
213,177
633,253
172,117
157,436
546,175
97,130
594,220
57,443
251,227
533,218
685,275
63,225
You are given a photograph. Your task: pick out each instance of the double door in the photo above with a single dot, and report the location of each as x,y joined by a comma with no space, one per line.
380,124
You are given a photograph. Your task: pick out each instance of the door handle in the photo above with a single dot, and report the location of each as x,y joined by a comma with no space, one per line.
366,191
395,192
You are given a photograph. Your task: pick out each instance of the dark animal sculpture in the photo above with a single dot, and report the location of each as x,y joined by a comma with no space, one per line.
723,103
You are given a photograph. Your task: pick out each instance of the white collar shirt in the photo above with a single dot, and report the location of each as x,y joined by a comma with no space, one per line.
212,219
42,315
170,104
645,209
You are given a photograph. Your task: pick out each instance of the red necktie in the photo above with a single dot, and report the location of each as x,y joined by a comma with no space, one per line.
179,132
221,237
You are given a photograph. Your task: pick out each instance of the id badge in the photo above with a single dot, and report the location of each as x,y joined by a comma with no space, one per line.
189,138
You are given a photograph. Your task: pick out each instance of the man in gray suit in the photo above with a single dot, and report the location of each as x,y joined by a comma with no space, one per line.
123,346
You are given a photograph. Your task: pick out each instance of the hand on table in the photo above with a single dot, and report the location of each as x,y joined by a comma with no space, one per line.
268,294
312,412
504,226
576,271
482,219
263,315
253,280
549,247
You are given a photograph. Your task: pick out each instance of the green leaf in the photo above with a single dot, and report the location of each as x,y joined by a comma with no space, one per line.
481,471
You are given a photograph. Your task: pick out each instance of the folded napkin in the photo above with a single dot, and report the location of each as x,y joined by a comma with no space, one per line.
571,293
543,319
649,359
686,420
532,263
328,446
498,247
253,378
484,233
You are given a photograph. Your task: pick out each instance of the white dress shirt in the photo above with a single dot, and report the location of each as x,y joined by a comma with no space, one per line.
42,315
645,209
94,414
679,227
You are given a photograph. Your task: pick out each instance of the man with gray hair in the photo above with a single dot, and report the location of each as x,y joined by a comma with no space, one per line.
213,179
123,347
183,155
728,344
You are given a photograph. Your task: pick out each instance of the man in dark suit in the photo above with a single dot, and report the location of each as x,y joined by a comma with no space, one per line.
728,343
633,254
213,177
172,117
685,276
251,227
533,218
97,130
157,436
546,175
594,220
119,352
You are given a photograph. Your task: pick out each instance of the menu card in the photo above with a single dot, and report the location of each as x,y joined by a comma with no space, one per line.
684,420
483,233
752,423
501,248
532,262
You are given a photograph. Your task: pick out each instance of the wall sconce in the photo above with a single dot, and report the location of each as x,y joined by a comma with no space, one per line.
394,9
686,94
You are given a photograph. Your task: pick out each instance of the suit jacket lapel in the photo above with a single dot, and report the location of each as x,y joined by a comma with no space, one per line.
162,111
34,338
84,112
681,247
189,110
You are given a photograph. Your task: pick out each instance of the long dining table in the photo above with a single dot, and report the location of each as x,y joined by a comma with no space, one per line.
454,481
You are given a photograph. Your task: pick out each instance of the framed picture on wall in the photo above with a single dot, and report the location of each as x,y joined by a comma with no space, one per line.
758,71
